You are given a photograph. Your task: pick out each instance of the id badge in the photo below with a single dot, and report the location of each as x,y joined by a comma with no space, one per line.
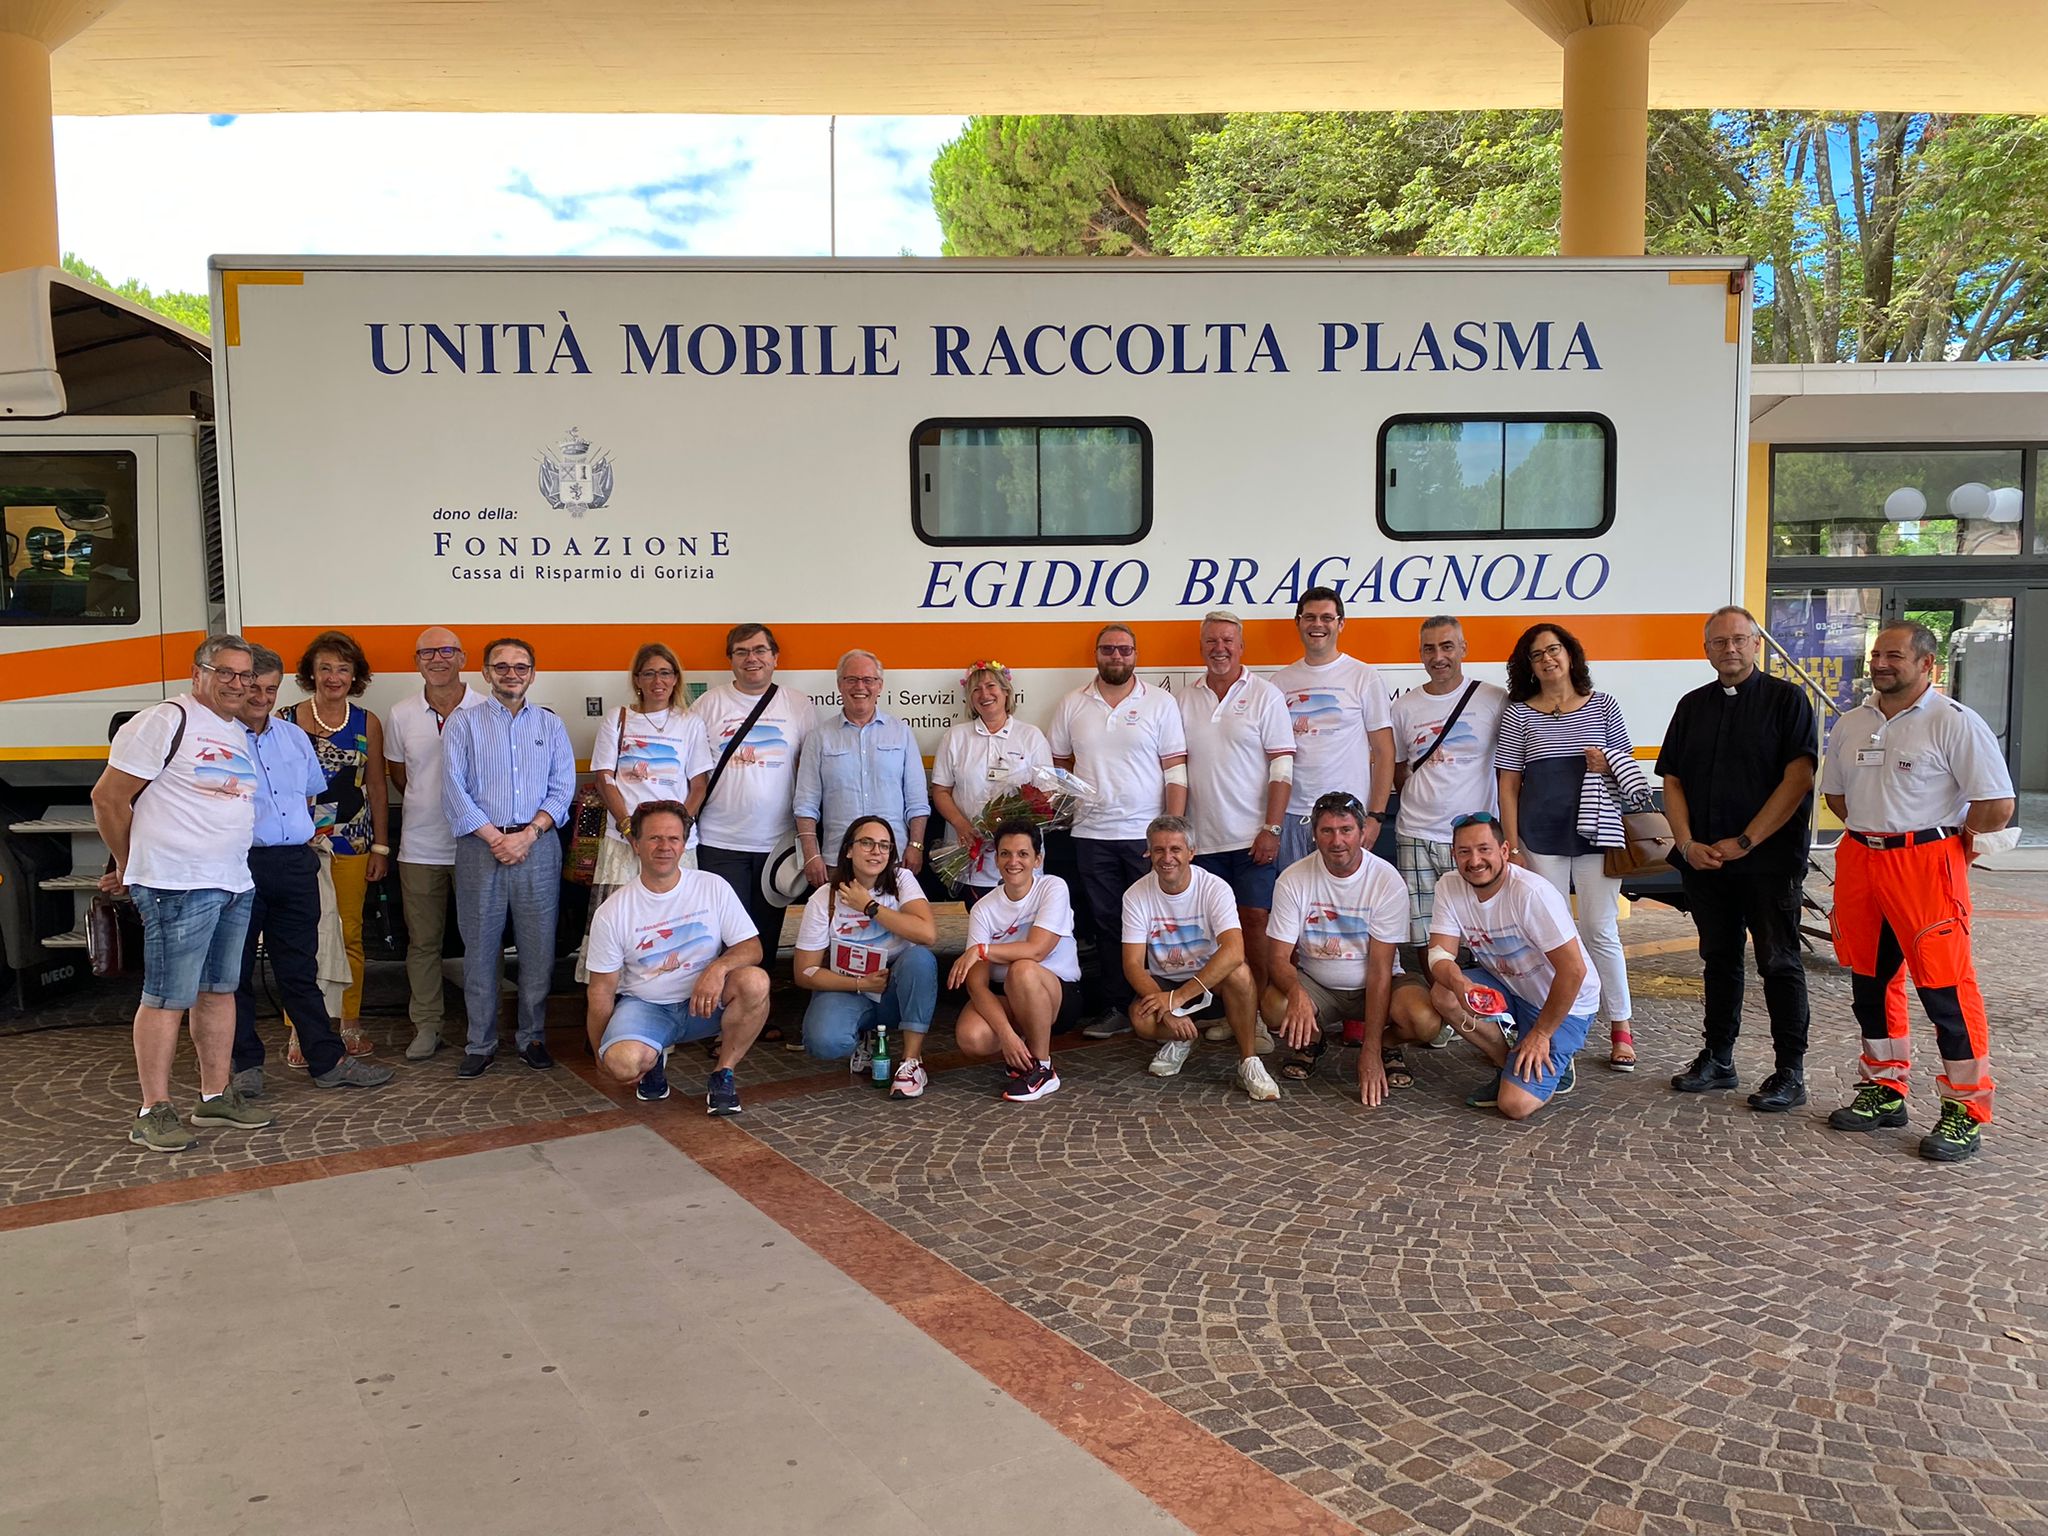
1870,757
856,959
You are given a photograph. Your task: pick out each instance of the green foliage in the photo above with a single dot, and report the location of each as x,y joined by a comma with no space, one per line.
1058,186
1880,236
186,308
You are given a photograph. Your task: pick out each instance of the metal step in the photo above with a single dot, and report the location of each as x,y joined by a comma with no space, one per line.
70,883
75,939
56,825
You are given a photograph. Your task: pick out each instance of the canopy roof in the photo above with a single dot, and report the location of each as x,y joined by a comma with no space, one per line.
923,56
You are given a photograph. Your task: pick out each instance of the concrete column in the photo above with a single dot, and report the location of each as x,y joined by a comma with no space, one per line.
28,161
1606,141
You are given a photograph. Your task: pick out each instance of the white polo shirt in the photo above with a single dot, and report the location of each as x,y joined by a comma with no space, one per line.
1117,748
1921,768
1334,708
412,739
973,763
1229,742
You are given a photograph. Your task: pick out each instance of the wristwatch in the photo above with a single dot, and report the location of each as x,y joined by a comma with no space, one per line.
870,909
1271,829
1742,841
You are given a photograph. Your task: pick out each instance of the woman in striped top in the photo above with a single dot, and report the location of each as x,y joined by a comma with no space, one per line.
1555,731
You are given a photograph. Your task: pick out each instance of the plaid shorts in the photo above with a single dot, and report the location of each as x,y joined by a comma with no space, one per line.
1421,863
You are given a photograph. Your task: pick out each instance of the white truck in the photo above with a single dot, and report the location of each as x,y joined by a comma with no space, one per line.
940,462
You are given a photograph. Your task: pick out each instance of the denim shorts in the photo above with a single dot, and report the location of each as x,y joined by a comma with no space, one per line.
659,1025
191,942
1251,884
1569,1040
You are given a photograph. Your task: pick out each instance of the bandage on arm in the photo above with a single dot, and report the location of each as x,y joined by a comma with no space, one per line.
1280,770
1178,774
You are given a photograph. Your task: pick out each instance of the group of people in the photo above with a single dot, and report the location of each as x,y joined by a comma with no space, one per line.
1225,864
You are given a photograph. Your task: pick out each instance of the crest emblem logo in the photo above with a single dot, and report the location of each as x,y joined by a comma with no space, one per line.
575,476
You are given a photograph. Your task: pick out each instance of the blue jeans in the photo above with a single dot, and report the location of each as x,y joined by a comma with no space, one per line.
486,894
1569,1040
191,943
834,1020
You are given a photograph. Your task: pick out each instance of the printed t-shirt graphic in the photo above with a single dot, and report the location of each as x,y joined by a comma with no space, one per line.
853,943
194,822
995,919
659,941
1333,921
1333,708
1458,778
1513,933
1179,933
751,807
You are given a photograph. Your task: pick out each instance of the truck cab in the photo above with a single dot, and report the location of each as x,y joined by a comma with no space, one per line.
110,572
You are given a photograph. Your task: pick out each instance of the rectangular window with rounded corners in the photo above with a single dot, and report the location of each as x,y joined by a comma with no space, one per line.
1031,481
1492,477
70,543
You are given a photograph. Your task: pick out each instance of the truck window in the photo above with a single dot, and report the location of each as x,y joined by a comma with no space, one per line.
1016,481
70,539
1496,477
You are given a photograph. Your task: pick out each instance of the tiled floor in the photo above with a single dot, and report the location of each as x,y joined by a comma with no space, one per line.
1638,1312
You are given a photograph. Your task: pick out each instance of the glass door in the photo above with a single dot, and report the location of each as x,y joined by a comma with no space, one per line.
1978,634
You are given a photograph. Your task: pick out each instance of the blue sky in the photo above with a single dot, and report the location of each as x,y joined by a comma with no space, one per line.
153,197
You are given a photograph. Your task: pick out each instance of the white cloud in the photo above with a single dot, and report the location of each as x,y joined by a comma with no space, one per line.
152,198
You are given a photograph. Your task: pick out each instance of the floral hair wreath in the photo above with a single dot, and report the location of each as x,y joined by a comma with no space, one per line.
991,665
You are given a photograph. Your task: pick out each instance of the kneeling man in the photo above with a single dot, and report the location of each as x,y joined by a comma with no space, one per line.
1521,932
673,957
1183,949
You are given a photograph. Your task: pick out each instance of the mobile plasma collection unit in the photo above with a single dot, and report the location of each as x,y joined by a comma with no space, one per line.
939,462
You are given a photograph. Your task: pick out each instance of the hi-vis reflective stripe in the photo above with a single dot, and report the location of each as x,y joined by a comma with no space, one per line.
145,661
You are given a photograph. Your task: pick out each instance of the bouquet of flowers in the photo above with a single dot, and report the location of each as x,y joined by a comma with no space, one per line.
1046,797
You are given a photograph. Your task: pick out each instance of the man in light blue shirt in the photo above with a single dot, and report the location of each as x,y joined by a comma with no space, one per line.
286,910
507,777
861,762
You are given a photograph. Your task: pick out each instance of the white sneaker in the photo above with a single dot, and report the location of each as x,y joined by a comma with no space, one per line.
909,1081
1253,1078
1262,1041
1110,1025
1217,1033
1444,1037
863,1055
1171,1057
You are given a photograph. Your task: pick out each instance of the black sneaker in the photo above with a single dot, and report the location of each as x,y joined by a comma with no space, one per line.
653,1085
536,1056
1040,1082
1955,1138
722,1093
1706,1074
1784,1089
476,1063
1873,1106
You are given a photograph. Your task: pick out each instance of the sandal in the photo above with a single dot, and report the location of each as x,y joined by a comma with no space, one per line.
1395,1065
1300,1065
293,1055
771,1034
355,1039
1621,1040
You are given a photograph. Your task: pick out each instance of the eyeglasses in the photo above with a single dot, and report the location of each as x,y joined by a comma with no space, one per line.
1545,653
228,679
656,674
1475,819
511,668
874,844
1116,650
860,682
1729,642
437,653
751,652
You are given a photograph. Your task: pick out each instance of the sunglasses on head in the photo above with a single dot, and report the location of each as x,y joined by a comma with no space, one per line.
1475,819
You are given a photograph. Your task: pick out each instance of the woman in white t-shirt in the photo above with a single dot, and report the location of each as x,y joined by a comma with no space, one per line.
863,952
653,751
977,759
1021,970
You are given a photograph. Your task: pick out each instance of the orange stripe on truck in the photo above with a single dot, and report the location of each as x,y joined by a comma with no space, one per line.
149,660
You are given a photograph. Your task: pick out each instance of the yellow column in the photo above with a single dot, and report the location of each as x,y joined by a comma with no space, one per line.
1606,140
28,161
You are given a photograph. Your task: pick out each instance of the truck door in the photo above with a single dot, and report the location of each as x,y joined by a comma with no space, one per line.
80,612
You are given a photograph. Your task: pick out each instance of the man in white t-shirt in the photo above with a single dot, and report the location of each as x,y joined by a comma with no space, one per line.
1240,767
1522,934
1444,733
176,809
1343,733
426,844
1126,739
673,957
1337,917
750,805
1183,951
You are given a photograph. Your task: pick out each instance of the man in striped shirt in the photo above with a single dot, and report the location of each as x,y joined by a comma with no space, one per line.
507,780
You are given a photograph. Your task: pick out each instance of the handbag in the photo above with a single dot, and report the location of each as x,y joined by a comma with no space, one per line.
1647,844
588,819
113,935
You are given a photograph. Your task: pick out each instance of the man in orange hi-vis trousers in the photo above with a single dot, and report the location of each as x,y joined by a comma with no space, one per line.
1916,778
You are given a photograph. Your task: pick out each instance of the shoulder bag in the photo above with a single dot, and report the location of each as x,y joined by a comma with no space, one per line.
113,928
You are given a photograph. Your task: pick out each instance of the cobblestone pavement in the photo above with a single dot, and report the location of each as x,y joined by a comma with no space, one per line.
1636,1312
